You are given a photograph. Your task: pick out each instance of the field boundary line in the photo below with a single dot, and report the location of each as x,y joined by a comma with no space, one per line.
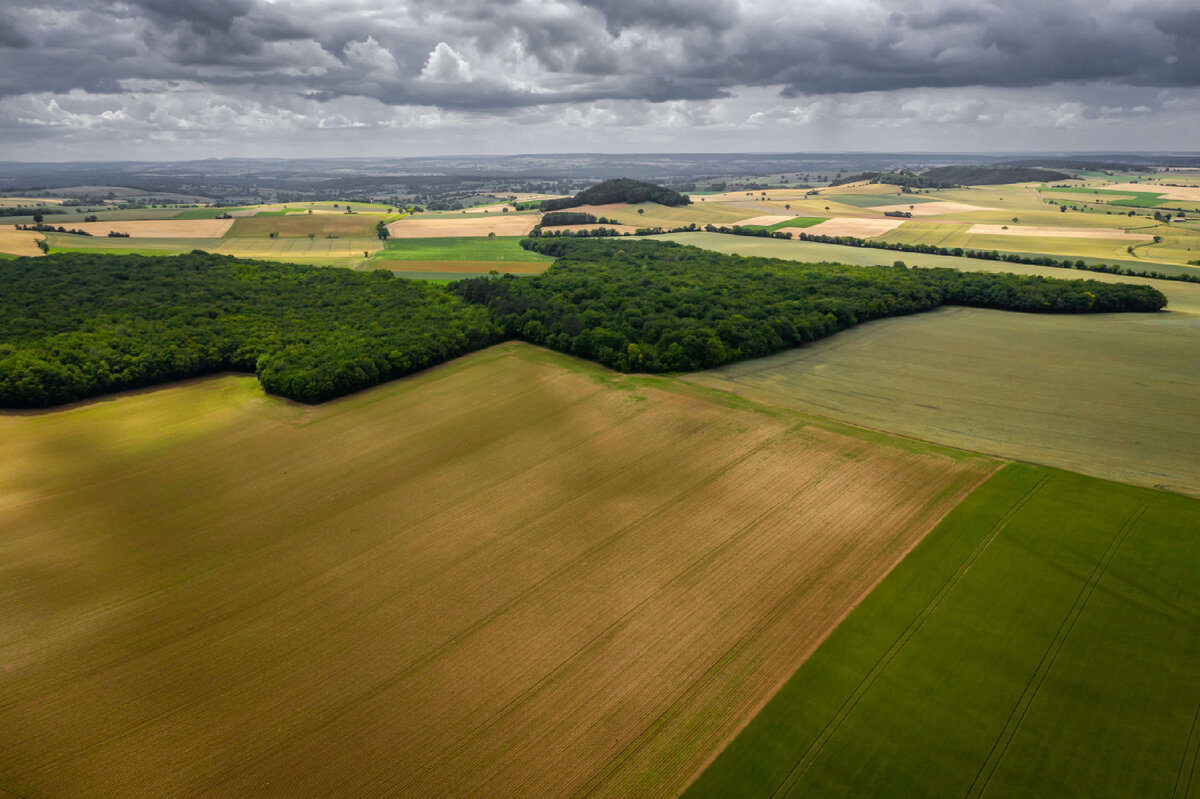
1192,748
968,489
818,745
1015,718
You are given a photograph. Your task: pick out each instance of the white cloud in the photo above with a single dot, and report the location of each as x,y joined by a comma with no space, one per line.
373,56
446,66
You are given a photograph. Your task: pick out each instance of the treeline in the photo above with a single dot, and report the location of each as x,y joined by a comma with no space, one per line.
556,218
994,255
76,325
41,227
10,211
660,306
619,190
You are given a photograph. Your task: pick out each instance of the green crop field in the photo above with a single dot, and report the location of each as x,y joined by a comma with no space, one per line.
208,590
1042,641
1111,396
474,248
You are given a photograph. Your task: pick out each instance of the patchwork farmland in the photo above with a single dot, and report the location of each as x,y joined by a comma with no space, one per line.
520,574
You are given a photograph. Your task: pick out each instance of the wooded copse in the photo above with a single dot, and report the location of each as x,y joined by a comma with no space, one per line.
74,326
660,306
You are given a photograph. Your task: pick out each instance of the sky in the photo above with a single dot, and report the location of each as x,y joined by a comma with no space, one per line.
182,79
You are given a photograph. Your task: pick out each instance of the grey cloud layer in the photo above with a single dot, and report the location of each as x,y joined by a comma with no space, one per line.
500,55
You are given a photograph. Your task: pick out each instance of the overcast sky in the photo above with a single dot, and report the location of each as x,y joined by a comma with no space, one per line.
174,79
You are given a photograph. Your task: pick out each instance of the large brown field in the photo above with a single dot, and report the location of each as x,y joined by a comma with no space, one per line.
514,575
355,225
159,228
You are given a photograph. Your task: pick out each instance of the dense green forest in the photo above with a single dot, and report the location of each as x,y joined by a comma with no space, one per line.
78,325
661,306
75,326
619,190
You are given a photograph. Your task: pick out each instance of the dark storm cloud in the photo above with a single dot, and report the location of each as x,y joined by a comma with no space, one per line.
515,54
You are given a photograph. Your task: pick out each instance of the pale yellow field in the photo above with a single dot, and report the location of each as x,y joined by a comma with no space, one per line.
159,228
770,219
1057,232
525,197
619,228
937,208
19,242
863,228
11,201
1189,193
516,575
444,227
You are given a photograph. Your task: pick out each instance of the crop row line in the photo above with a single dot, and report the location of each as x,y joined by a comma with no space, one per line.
1034,684
814,750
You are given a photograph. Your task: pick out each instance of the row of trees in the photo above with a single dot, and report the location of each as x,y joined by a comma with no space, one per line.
994,255
660,306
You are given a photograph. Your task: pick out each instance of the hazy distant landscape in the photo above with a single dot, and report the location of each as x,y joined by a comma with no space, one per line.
599,399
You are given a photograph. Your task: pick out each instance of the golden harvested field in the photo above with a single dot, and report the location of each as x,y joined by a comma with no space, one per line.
769,219
1059,232
936,208
442,227
6,202
514,575
618,228
19,242
160,228
862,228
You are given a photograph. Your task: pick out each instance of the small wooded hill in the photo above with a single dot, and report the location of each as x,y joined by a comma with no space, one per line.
75,326
619,190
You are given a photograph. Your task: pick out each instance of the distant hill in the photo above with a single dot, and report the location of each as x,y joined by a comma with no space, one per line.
976,175
619,190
